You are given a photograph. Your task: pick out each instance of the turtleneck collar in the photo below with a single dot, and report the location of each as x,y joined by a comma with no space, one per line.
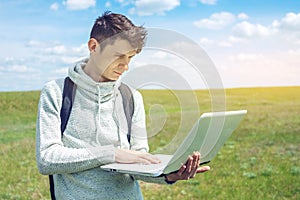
100,90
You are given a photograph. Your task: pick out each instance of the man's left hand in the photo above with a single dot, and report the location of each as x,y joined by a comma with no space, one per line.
188,170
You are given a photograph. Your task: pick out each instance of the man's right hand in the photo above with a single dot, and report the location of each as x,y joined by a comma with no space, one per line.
131,156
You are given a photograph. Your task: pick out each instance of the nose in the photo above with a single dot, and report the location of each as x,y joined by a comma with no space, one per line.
124,61
123,66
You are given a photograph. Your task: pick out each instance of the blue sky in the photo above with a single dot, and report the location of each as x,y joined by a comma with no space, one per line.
252,43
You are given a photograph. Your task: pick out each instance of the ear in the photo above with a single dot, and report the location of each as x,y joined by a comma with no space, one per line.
92,44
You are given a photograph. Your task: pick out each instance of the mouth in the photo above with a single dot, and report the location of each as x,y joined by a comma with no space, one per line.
118,73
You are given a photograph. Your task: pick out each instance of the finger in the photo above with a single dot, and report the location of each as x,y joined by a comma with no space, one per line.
186,174
203,169
148,159
197,159
181,170
190,165
141,160
194,167
153,159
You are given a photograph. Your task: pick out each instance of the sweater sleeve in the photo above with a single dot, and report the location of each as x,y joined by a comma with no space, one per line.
51,155
139,138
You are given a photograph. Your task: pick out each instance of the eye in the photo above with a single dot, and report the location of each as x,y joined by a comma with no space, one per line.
119,55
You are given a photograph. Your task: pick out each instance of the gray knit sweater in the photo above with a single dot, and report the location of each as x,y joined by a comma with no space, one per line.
96,126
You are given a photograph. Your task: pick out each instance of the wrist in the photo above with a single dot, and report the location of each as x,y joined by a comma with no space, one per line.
167,180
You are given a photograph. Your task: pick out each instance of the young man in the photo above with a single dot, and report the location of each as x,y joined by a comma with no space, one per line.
96,132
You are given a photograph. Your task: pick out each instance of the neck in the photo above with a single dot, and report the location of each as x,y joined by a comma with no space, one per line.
93,72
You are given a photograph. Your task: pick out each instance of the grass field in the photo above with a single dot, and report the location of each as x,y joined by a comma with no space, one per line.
261,160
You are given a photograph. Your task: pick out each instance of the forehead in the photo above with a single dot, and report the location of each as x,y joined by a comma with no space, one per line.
120,46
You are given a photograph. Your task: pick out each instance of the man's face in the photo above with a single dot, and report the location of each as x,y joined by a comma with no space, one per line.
113,60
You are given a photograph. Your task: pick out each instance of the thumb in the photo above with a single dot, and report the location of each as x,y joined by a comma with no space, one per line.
203,169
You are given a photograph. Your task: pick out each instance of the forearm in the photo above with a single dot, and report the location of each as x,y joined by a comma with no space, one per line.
58,159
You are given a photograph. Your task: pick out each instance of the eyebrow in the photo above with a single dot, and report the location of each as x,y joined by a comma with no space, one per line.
132,53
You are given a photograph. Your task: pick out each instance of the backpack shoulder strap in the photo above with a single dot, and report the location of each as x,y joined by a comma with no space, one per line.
128,104
67,103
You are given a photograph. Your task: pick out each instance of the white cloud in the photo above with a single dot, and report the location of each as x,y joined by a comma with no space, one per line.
81,50
61,71
294,52
16,69
54,6
41,44
243,57
209,42
59,49
261,69
209,2
107,4
288,28
248,30
61,54
233,39
70,59
125,3
206,42
150,7
216,21
33,43
56,48
243,16
225,44
291,21
79,4
159,55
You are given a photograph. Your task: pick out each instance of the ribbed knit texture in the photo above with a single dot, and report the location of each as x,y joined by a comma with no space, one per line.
96,126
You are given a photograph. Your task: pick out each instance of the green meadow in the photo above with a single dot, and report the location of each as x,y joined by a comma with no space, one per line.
261,160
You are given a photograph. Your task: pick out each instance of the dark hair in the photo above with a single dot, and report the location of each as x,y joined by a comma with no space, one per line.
111,26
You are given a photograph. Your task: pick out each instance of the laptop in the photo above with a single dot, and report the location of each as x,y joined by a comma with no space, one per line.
207,136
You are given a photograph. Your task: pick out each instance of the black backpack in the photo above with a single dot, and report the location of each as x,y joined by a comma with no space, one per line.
67,103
